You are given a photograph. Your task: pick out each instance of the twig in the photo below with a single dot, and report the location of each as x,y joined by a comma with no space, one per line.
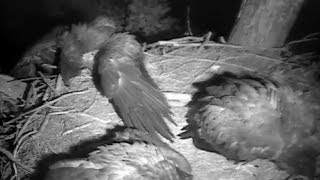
15,170
76,128
178,67
25,125
178,44
57,108
220,61
13,177
300,41
91,104
196,76
64,112
206,39
46,95
188,44
31,94
212,44
32,78
188,39
21,140
48,83
92,117
188,19
46,104
49,66
15,160
170,57
203,71
312,35
17,148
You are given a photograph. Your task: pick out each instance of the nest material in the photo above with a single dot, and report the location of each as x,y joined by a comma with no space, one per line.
52,118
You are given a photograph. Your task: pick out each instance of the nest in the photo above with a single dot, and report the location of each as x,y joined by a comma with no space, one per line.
40,116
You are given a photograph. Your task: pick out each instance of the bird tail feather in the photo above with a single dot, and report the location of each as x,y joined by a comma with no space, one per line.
143,107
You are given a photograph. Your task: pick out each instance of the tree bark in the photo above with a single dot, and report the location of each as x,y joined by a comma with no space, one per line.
264,23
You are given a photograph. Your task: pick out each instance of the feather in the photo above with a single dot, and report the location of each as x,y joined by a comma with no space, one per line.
132,154
249,116
138,100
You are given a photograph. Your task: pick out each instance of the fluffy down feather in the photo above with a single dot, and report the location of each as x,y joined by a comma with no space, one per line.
135,156
248,116
81,39
122,78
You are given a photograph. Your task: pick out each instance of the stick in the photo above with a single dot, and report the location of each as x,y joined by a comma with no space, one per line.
15,160
46,104
48,83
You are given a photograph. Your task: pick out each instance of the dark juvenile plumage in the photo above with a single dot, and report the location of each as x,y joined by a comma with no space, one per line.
248,116
133,155
122,77
119,74
81,39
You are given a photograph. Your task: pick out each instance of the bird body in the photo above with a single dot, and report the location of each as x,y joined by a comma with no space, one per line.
249,116
119,73
135,159
124,80
81,39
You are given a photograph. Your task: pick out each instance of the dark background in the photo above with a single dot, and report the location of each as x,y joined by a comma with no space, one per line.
23,22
